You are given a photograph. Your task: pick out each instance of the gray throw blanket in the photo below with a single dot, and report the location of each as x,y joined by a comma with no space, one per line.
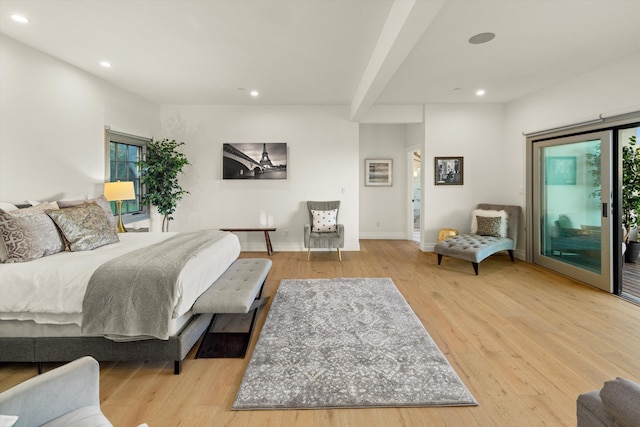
135,294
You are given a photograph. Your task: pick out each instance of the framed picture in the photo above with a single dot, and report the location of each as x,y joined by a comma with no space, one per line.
449,171
255,160
560,170
378,172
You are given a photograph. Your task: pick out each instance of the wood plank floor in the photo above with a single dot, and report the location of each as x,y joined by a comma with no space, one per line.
524,340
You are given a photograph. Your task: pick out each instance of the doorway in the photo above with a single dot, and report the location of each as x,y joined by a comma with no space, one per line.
415,188
572,178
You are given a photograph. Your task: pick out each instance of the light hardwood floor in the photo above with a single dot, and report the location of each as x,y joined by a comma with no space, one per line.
524,340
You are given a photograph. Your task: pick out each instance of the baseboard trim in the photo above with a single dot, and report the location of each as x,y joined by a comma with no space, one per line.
388,235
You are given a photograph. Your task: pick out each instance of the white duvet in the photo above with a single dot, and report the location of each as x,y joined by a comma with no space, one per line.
51,289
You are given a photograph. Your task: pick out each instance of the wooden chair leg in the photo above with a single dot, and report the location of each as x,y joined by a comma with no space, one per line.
308,253
511,255
439,258
339,255
475,267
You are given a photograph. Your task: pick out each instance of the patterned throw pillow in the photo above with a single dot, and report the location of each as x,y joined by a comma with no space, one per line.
325,221
100,201
489,225
489,213
85,227
29,234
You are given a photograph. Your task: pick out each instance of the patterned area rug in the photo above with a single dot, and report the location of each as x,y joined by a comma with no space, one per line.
346,343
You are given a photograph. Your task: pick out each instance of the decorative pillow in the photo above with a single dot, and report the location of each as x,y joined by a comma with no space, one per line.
29,234
489,213
85,227
325,221
100,201
8,207
489,225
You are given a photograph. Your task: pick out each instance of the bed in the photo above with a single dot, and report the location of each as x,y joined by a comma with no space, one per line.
46,314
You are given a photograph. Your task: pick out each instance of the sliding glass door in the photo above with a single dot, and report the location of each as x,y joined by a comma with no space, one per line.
572,212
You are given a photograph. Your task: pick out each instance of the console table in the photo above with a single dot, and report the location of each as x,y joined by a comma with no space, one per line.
265,230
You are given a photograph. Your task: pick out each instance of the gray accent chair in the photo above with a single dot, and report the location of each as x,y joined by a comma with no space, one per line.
474,247
65,396
617,404
313,240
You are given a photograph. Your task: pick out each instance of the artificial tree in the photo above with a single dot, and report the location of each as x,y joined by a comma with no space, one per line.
159,177
630,194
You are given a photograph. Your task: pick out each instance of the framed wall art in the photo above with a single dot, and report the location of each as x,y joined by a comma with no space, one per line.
378,172
449,170
259,160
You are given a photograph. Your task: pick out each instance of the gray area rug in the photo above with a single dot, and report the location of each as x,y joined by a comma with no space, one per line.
346,343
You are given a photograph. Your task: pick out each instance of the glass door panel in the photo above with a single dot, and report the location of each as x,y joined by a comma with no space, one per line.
573,205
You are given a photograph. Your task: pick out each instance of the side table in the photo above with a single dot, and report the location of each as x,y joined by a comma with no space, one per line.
265,230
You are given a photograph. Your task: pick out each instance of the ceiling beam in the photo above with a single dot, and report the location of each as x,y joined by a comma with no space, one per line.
407,21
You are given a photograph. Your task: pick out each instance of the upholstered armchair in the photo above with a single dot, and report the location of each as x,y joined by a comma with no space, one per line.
323,230
65,396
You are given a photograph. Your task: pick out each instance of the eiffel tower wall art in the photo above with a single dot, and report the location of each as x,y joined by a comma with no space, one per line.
259,160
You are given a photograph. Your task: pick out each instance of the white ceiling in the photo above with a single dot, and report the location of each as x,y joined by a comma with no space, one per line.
357,52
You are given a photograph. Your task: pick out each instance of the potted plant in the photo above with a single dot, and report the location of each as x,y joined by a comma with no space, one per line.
159,176
630,195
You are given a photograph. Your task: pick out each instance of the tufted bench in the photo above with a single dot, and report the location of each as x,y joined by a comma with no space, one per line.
234,299
474,247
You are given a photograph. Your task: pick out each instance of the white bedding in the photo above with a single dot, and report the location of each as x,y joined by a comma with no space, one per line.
50,290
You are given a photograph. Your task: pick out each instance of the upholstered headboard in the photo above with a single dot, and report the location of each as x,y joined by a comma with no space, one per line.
513,212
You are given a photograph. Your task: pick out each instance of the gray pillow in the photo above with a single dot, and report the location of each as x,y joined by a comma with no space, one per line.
85,227
29,234
621,400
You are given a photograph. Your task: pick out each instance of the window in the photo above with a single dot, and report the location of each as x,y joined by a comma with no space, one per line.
124,151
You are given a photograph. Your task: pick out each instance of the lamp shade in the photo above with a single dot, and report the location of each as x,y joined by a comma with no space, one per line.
119,190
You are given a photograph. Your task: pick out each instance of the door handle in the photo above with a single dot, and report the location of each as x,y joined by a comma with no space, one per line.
604,210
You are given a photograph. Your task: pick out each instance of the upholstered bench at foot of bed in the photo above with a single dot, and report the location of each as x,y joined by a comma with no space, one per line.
473,248
234,299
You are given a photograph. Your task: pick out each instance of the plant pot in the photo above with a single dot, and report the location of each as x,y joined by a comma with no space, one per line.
631,254
155,220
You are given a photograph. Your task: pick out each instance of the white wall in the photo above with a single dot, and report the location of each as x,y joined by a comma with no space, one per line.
52,119
612,89
322,165
474,132
383,210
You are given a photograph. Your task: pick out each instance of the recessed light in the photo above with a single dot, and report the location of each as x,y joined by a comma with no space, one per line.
480,92
482,38
19,18
105,64
254,93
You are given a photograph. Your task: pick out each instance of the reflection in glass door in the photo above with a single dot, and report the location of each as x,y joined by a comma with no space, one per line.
572,189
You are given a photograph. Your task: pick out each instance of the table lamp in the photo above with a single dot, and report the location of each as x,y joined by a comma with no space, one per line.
117,192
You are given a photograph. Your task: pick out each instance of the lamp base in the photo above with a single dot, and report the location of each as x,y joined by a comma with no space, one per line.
121,228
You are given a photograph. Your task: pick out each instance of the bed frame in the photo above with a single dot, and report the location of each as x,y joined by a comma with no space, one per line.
64,349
